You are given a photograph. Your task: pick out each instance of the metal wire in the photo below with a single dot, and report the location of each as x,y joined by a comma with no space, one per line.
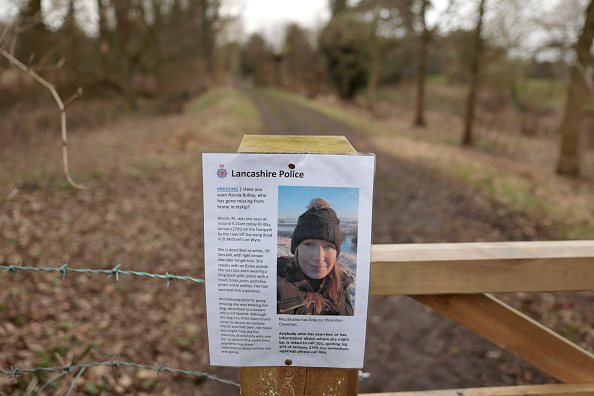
117,271
115,363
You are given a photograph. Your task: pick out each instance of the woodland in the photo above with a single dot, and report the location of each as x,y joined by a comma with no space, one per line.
519,58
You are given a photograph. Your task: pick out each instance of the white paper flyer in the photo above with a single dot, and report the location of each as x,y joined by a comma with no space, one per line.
287,241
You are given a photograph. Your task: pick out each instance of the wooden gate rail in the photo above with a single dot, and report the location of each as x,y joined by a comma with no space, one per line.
523,390
438,274
482,267
455,279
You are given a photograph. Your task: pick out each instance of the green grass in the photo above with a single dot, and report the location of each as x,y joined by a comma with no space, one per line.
242,107
441,79
390,95
542,93
481,142
202,103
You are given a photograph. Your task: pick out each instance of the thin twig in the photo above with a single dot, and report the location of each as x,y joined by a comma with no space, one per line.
63,373
12,194
60,104
55,66
78,94
4,33
34,21
82,370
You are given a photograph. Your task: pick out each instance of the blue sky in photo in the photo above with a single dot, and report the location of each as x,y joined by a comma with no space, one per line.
293,201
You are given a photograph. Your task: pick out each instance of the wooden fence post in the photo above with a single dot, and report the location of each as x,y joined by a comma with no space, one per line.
289,380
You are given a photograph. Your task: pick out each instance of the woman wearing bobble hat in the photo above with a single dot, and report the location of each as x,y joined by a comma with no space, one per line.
311,282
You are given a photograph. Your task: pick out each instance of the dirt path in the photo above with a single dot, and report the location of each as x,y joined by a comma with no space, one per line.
409,347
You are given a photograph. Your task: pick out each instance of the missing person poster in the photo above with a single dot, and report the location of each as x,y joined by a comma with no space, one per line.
287,241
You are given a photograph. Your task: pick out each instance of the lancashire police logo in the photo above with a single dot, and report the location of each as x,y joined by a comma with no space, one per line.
222,172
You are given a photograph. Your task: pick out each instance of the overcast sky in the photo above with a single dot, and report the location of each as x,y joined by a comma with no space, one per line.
262,15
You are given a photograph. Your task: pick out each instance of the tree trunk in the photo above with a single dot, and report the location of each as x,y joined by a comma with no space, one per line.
34,42
422,69
474,79
373,72
568,163
73,51
104,41
126,72
207,33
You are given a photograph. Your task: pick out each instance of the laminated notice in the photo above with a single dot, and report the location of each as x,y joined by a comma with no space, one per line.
287,240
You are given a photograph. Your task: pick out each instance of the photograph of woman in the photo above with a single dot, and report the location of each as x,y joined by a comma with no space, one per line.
311,280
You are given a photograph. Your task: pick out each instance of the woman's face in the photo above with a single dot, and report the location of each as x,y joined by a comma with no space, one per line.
316,257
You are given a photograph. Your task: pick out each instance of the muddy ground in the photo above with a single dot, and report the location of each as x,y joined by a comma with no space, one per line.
143,209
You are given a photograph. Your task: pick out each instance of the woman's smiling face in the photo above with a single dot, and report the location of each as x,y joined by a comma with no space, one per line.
316,257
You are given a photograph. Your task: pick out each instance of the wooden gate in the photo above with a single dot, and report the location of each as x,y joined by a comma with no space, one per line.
455,280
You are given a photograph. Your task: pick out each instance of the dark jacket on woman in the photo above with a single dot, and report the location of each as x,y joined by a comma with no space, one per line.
293,286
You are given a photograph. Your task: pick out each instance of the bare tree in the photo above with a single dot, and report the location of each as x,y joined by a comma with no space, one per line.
425,39
467,139
258,60
300,59
373,9
568,163
422,67
386,17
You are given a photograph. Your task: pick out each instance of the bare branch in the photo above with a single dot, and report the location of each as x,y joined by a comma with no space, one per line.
14,43
50,52
78,94
60,104
4,33
36,76
439,20
34,21
55,66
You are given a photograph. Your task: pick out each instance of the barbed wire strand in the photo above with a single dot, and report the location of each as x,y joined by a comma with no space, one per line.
113,363
117,271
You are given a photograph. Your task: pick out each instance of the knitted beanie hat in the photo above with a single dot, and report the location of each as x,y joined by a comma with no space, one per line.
319,221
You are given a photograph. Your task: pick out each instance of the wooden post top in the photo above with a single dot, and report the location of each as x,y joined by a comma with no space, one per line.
295,144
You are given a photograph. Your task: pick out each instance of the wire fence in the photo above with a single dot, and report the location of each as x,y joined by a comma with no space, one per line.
117,271
115,364
64,370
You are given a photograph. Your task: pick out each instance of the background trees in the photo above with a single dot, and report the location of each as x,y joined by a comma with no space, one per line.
130,48
344,43
474,76
164,52
568,163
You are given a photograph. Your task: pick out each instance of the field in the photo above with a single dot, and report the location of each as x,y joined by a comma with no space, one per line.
142,208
